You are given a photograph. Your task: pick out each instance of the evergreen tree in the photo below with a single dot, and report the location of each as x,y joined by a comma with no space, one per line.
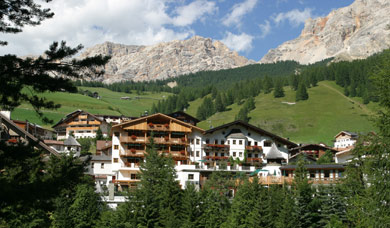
301,93
294,81
250,104
267,84
190,212
278,90
287,217
218,104
243,115
156,203
99,134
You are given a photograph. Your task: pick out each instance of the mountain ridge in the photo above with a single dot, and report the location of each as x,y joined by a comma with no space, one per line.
165,60
353,32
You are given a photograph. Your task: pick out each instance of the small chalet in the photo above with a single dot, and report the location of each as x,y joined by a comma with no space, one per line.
313,150
317,174
35,129
345,139
67,146
184,117
81,124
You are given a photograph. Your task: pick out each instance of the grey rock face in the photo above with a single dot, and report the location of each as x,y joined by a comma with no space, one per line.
356,31
165,60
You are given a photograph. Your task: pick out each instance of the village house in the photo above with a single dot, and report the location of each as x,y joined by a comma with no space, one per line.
80,124
69,145
345,139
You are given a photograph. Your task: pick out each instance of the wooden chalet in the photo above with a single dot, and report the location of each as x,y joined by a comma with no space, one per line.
170,135
313,150
81,124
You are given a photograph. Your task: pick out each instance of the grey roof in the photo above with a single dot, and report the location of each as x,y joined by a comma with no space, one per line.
274,153
238,135
101,157
70,141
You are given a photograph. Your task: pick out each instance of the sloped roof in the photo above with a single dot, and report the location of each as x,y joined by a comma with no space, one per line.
101,157
274,153
184,114
304,146
74,114
352,134
103,144
21,132
157,115
254,128
70,141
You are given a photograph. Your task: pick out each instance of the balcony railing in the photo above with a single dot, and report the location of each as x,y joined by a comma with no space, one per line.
157,140
260,160
216,157
132,153
133,139
218,147
254,148
268,180
158,127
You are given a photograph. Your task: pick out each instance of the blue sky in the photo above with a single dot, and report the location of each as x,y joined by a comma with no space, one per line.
250,27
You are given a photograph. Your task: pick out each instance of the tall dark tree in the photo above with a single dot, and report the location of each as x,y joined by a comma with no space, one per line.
301,93
267,84
219,104
278,90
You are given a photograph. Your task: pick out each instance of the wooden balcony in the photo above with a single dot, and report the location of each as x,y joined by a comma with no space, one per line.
215,158
132,153
132,139
254,148
216,147
269,180
158,127
255,160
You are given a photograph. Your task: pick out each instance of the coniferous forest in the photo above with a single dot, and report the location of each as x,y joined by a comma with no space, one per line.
38,190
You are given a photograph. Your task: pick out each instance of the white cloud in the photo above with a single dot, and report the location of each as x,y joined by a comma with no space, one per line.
239,43
190,13
265,29
294,17
138,22
238,11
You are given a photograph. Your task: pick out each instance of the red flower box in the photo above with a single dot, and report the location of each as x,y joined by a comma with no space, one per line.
182,152
183,139
166,125
133,151
166,138
133,137
150,124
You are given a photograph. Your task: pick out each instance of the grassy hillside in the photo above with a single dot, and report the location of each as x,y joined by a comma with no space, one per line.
318,119
110,103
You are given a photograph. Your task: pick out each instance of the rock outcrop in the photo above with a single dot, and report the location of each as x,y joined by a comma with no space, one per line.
353,32
165,60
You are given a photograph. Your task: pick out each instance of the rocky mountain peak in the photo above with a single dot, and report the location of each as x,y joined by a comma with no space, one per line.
165,60
356,31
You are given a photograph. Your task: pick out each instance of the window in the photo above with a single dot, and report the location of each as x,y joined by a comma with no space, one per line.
115,160
102,165
116,147
133,176
197,141
279,145
192,141
92,165
116,134
240,142
222,142
249,155
240,154
207,154
249,143
222,154
234,142
256,155
234,154
215,141
207,141
228,142
197,153
267,143
190,176
249,134
255,143
326,174
191,153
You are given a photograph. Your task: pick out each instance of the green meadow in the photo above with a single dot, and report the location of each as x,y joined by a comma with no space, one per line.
318,119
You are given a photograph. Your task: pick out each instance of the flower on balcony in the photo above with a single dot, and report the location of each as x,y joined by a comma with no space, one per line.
183,139
150,124
133,151
166,125
133,137
166,138
182,152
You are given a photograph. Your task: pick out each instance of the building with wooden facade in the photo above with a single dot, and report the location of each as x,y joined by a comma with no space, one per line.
81,124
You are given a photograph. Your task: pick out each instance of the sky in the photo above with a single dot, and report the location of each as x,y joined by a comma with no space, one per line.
250,27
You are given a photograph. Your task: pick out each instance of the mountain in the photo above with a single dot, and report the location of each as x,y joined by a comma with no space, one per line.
353,32
165,60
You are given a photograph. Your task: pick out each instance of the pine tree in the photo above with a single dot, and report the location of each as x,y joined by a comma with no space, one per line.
190,212
99,134
242,115
157,202
294,81
267,84
287,217
278,90
301,93
218,104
